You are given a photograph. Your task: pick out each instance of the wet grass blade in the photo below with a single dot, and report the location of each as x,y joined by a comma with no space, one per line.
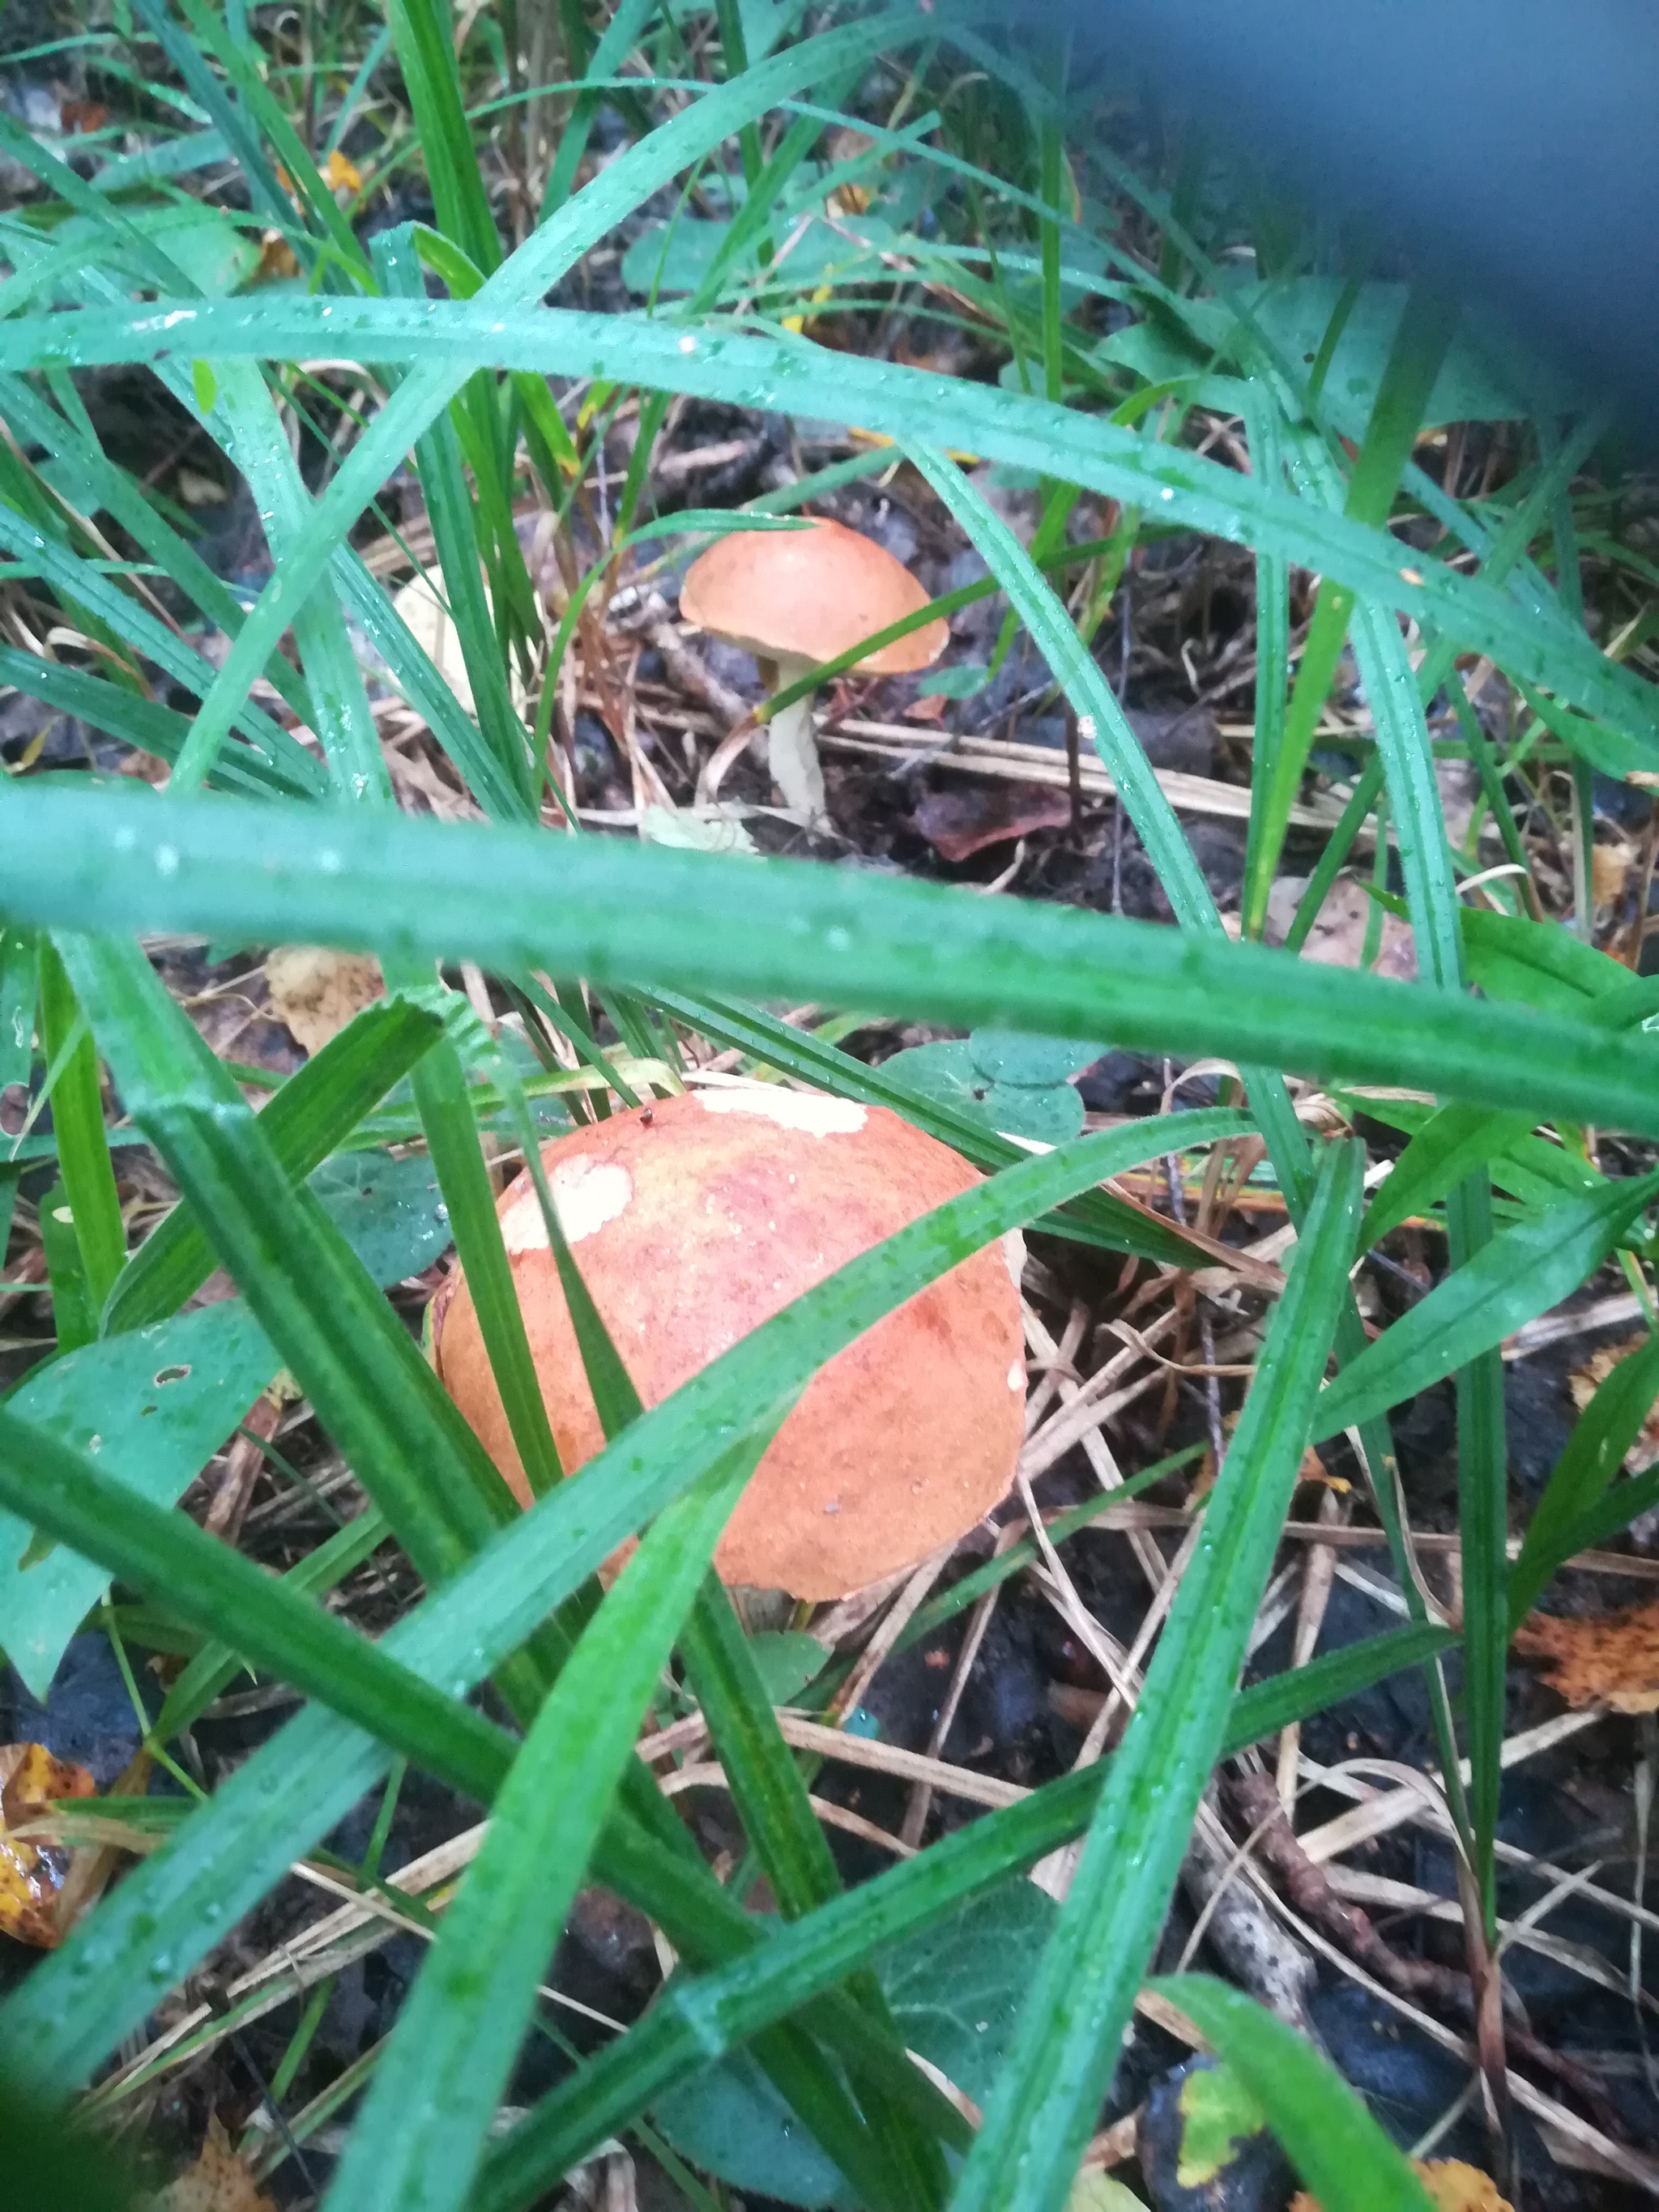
1335,2144
417,2145
166,1556
448,340
77,1114
1581,1478
1079,2001
1517,1276
622,914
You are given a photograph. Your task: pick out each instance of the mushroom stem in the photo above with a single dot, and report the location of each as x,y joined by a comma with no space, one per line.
792,749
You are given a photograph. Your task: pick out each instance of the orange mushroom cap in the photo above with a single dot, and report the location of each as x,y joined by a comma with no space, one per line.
811,594
695,1222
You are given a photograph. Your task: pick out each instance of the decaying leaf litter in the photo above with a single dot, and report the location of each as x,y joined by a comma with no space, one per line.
963,1686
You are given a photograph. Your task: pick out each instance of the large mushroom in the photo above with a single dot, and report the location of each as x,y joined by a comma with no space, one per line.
694,1220
798,596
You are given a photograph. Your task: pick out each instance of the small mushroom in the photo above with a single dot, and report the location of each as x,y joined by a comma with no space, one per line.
796,597
695,1220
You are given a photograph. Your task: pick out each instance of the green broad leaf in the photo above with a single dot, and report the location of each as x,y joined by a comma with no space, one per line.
954,1989
151,1408
1016,1062
1511,1280
1475,383
1582,1477
786,1659
1082,1993
948,1071
1344,2158
732,2123
1217,2116
392,1213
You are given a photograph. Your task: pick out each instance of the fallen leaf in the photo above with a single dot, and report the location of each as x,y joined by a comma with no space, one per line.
1610,866
1585,1380
1610,1660
928,709
1338,938
198,490
424,611
277,259
958,823
32,1875
1452,2187
340,175
1218,2114
693,833
316,991
218,2182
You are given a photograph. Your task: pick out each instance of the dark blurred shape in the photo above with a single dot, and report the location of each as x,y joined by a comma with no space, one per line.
1507,149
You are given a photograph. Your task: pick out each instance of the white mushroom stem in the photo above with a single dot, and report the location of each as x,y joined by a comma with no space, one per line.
792,747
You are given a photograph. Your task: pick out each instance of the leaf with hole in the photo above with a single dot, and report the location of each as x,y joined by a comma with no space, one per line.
150,1407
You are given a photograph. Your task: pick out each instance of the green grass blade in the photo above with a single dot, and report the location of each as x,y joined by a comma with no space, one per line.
1515,1278
1450,1145
780,929
695,2020
77,1114
309,1117
423,2128
349,1354
1080,2002
1580,1480
451,1136
450,339
1335,2144
214,1667
166,1556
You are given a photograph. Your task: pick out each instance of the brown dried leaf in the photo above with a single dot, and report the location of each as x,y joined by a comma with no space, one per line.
1585,1380
1612,1660
316,991
1610,865
218,2182
958,823
1453,2186
32,1875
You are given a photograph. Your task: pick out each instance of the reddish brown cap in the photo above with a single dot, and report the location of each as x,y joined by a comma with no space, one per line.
693,1227
812,594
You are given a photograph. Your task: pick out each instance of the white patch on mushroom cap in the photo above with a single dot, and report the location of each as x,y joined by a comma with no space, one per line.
1016,1376
1013,1253
809,1111
587,1193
